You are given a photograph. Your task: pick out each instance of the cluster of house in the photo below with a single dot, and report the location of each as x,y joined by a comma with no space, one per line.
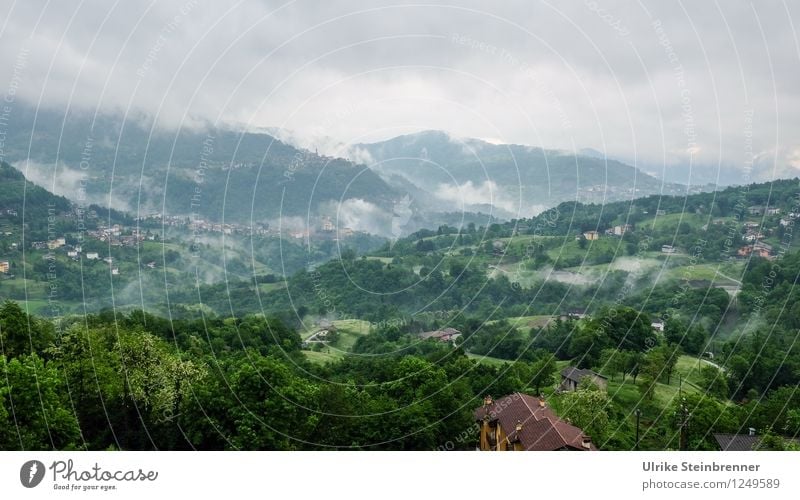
324,228
618,230
753,233
118,235
74,252
762,210
200,225
601,193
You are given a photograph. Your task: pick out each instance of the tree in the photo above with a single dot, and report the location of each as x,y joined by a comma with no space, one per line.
586,345
613,361
714,381
652,368
586,408
156,379
626,328
704,417
692,339
20,333
34,411
774,442
543,371
669,356
633,363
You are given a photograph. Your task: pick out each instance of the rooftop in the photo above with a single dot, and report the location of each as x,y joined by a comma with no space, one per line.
540,429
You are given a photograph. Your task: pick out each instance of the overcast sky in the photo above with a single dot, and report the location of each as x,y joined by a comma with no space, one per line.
655,82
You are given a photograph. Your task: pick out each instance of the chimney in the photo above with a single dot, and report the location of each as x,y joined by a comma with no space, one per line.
751,431
519,426
487,400
542,402
586,442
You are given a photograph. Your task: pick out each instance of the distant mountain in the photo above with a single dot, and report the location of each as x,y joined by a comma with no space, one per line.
516,178
214,174
395,187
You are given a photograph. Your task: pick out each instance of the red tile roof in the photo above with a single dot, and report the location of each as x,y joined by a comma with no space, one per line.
542,430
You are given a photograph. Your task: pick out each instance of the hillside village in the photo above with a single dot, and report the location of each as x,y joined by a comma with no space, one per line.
71,241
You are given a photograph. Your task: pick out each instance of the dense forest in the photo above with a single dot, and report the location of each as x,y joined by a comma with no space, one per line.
143,382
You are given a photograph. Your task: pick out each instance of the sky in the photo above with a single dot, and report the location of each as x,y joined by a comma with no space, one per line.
709,88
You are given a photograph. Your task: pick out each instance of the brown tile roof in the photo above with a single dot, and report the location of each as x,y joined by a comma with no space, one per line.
542,430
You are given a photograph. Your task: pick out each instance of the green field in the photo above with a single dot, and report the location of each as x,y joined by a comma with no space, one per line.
525,323
488,360
323,357
686,379
349,331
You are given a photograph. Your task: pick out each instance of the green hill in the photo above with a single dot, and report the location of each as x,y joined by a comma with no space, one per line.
213,172
521,176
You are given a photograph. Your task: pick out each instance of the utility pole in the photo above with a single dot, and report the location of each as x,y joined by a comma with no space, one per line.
638,414
684,415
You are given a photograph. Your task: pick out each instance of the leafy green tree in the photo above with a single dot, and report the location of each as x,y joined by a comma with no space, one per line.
586,408
669,356
774,442
20,333
692,339
586,346
543,372
626,328
704,417
714,381
613,361
34,409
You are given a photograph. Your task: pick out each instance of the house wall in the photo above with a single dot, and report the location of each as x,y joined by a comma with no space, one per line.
600,382
486,428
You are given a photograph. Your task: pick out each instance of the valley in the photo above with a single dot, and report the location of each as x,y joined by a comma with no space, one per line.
663,298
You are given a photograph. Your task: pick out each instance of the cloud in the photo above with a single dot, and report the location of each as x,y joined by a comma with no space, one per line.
359,155
360,215
70,183
462,196
650,82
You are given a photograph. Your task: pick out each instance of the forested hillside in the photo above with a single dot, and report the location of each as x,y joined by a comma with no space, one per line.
686,305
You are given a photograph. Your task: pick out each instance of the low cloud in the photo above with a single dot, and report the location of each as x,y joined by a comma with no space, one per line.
360,215
65,181
467,194
359,155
